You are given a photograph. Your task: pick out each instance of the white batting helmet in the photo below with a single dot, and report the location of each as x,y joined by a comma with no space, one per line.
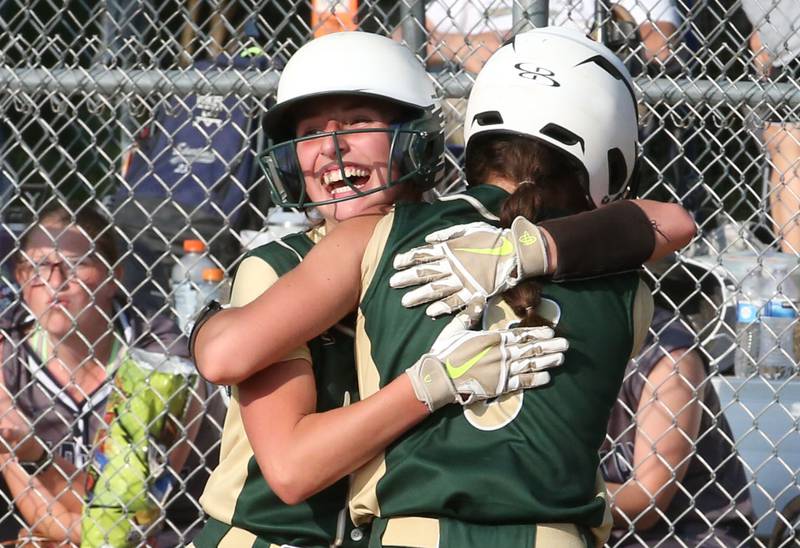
356,64
559,86
351,63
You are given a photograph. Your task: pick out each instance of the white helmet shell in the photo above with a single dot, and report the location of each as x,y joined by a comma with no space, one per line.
362,65
326,66
558,86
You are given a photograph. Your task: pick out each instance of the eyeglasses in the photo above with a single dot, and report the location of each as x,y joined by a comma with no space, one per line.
40,273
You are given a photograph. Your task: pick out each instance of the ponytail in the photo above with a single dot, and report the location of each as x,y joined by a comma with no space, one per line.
549,186
524,298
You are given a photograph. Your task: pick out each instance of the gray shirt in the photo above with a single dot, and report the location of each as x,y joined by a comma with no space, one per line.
714,489
778,25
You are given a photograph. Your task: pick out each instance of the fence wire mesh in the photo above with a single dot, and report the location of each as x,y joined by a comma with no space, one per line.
150,112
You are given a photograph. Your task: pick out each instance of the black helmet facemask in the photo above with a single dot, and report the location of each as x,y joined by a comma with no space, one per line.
415,153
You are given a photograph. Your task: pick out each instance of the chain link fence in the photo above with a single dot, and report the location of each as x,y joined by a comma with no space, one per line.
149,111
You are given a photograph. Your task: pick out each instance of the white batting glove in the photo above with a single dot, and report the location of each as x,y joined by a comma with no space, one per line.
467,366
468,262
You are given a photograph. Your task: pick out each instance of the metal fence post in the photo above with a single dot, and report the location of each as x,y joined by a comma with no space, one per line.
530,14
413,17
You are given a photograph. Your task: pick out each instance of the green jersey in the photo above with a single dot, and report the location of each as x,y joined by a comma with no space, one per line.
529,457
244,511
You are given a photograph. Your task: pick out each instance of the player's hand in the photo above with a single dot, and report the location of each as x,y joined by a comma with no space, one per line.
467,366
468,262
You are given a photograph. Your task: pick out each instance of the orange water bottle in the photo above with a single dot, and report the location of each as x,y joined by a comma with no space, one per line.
329,16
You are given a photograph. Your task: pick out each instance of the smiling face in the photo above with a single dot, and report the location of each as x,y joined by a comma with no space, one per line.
364,155
64,283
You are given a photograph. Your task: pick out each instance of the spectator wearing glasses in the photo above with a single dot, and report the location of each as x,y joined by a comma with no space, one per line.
69,354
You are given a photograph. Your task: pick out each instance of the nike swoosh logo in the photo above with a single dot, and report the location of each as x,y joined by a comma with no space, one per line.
505,248
455,371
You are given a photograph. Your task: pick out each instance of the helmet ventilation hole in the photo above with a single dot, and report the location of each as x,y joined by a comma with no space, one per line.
617,172
488,118
562,135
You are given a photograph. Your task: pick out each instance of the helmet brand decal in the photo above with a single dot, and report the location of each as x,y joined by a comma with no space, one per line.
538,74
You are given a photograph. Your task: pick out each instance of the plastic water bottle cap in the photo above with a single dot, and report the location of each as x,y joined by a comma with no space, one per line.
746,312
193,246
213,274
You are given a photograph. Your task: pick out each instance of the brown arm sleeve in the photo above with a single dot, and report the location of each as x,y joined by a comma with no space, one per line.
614,238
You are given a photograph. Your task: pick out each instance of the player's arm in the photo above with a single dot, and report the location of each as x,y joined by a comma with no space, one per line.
619,236
673,226
614,238
238,342
303,452
667,425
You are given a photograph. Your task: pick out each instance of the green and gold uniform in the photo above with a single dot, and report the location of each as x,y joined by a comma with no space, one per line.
493,474
243,510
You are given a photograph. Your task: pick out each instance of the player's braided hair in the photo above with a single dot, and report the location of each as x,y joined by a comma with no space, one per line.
526,296
548,186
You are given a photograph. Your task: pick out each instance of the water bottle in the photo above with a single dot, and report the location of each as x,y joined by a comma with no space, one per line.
777,339
766,325
212,288
748,337
778,328
748,324
186,276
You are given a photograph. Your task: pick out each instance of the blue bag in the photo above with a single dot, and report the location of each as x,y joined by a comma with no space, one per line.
192,175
